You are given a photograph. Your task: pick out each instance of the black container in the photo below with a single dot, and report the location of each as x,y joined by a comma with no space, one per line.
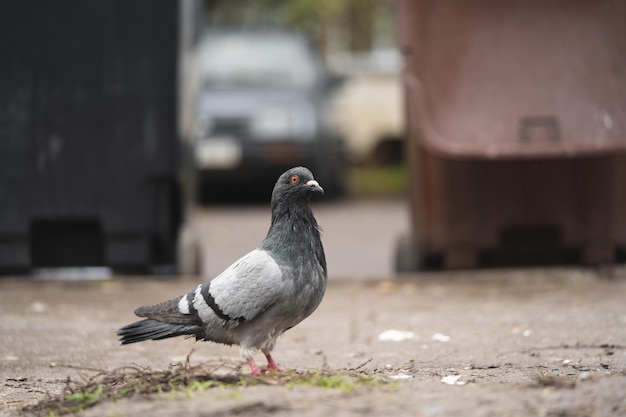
89,150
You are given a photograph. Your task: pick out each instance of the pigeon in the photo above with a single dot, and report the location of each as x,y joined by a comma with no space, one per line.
261,295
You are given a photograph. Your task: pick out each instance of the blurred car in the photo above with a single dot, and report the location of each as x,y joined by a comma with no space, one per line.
369,112
263,107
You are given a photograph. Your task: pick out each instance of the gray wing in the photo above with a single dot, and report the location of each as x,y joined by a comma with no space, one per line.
240,293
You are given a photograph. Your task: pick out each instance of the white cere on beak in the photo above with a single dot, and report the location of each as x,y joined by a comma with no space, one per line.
312,184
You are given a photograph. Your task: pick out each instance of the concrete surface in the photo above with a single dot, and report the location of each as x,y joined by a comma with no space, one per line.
518,342
530,342
359,235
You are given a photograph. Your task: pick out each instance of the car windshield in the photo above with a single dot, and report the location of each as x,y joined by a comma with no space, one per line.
256,59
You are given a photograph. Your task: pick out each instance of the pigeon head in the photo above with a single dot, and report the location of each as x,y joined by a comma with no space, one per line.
295,184
294,230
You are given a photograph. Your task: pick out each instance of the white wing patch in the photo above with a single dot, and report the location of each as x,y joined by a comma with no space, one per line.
204,311
183,305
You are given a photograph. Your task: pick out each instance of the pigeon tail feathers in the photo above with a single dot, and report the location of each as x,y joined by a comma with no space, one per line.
150,329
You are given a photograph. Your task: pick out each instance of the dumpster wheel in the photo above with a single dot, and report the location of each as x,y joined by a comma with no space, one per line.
189,253
406,255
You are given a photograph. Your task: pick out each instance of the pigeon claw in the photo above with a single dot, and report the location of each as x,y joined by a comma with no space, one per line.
272,365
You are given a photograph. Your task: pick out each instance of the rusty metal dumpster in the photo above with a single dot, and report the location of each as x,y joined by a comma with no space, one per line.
516,120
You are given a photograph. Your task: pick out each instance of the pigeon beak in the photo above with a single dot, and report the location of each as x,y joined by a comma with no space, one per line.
314,186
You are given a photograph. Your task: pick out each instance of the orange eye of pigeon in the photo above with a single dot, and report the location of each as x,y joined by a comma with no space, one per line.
295,179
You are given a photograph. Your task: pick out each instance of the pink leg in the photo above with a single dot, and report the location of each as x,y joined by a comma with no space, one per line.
271,363
254,368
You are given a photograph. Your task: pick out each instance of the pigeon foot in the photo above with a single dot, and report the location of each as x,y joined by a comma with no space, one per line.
256,372
272,365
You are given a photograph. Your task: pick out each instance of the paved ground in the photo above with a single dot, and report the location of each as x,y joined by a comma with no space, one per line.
531,342
359,235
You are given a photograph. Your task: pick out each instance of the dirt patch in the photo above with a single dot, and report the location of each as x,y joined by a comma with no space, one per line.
183,380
